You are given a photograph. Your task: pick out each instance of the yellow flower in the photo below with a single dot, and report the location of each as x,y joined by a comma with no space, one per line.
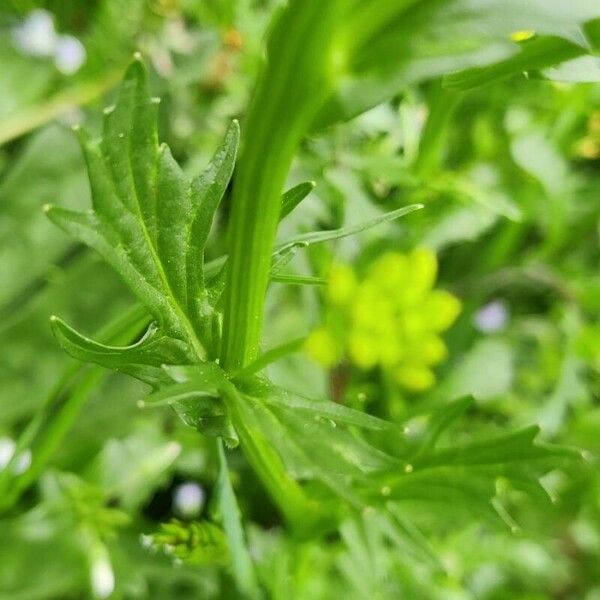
363,350
431,350
440,309
390,319
415,378
423,272
522,35
323,347
342,284
390,271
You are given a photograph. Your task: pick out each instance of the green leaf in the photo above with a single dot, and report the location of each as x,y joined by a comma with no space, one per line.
284,252
229,514
196,397
195,543
319,237
329,410
403,532
283,256
150,223
270,356
537,53
389,45
294,196
306,443
441,420
298,279
507,448
151,351
256,428
460,490
335,451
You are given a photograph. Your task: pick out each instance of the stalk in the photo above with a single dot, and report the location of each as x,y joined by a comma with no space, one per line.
298,78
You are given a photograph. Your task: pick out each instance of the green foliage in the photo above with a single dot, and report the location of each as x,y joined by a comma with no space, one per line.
151,225
387,45
359,476
195,543
229,514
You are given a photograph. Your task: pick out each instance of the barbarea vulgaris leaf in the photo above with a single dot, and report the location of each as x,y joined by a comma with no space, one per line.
151,225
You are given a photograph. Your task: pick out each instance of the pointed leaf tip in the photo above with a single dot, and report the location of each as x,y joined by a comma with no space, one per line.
232,135
292,197
318,237
136,70
82,134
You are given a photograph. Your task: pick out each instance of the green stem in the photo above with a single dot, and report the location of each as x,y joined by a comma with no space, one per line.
296,82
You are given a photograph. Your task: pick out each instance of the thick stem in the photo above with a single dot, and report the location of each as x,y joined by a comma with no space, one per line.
297,80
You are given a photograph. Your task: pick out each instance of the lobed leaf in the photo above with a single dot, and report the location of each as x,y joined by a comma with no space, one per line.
149,222
511,447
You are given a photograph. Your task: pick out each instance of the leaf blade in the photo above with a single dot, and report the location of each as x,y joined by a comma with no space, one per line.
243,569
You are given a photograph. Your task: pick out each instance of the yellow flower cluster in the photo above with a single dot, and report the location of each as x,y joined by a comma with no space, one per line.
391,318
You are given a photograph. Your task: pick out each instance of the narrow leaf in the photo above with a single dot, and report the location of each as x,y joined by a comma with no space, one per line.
537,53
319,237
270,356
151,349
243,569
298,279
294,196
206,191
441,420
329,410
284,256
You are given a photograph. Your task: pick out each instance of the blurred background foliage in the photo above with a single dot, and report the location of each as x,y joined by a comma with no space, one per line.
509,174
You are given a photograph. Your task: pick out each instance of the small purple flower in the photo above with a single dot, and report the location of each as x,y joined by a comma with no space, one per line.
492,317
69,54
36,35
188,499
